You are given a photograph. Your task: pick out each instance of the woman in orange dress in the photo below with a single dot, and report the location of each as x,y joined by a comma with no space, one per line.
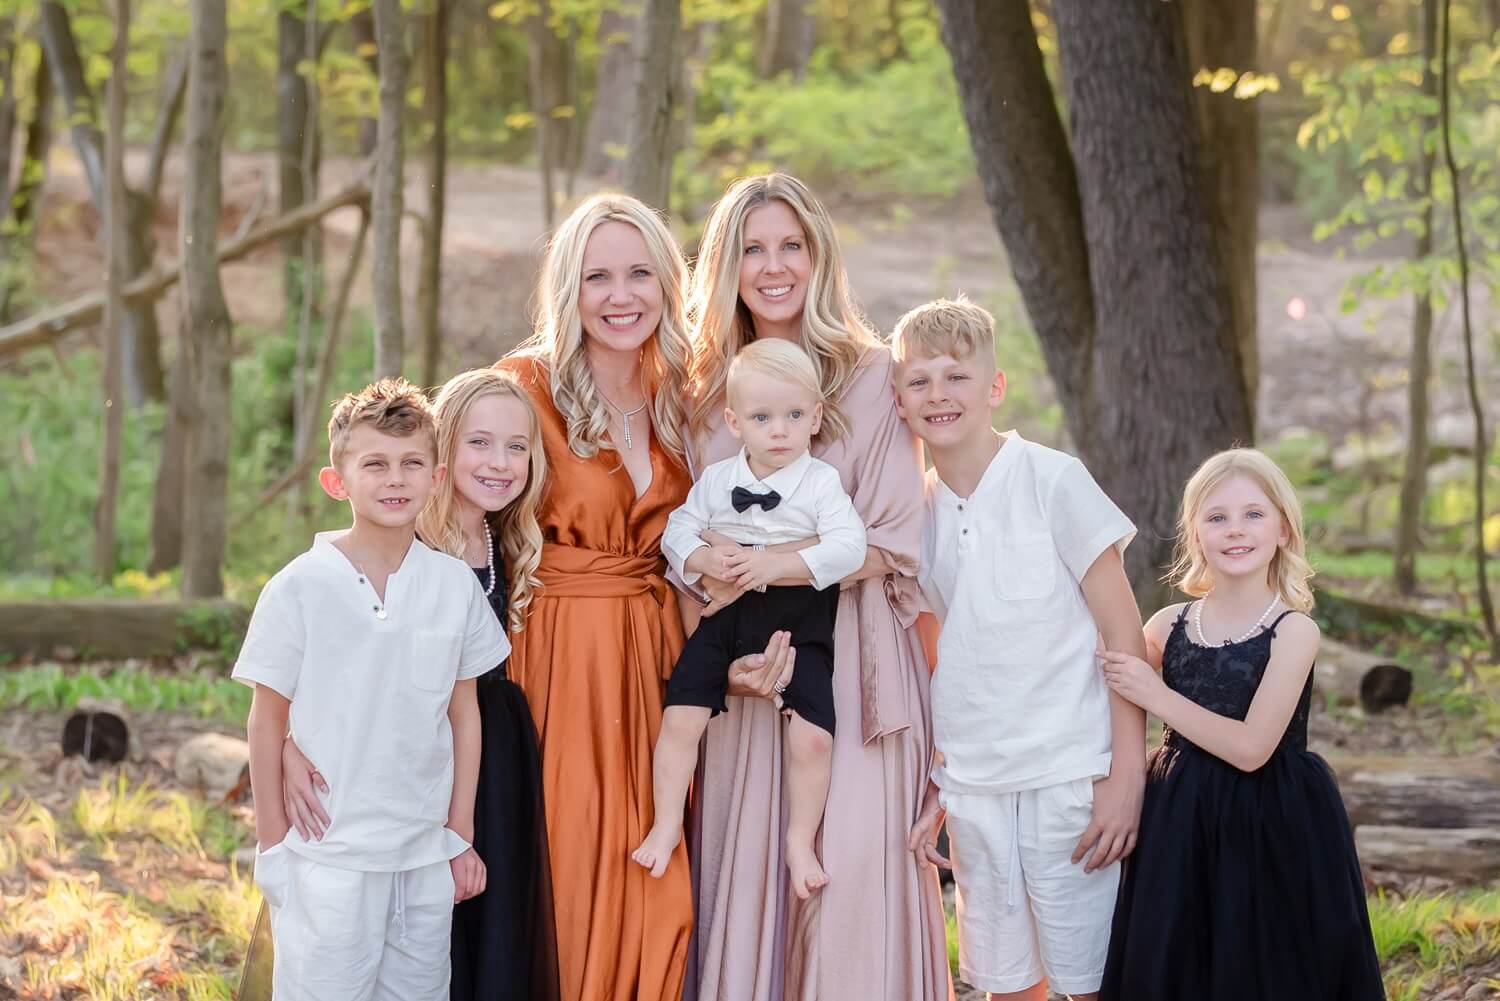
606,369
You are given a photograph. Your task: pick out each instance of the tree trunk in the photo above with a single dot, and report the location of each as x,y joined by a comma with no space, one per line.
648,161
1029,182
142,338
1144,354
390,30
113,168
206,332
547,76
1466,855
291,134
28,185
787,45
435,111
1419,368
1223,35
7,105
608,129
168,495
362,27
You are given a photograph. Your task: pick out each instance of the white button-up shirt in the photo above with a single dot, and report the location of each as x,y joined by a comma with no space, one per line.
370,682
1018,701
813,503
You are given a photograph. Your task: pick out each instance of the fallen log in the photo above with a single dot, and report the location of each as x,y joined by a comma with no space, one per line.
1465,854
118,628
1419,792
46,326
97,730
1351,676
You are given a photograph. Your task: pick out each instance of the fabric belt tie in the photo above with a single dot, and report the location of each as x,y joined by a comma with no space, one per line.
884,688
576,572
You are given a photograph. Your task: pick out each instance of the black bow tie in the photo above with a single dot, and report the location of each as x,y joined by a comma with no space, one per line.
742,499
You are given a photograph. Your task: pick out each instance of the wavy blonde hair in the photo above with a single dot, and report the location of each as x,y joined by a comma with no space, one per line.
834,333
515,525
1289,571
559,336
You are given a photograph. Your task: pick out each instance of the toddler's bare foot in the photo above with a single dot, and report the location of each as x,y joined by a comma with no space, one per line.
807,873
656,851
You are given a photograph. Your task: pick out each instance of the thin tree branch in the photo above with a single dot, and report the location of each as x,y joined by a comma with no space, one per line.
166,124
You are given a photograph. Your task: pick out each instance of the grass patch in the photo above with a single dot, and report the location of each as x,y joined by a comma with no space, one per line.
51,688
1423,939
182,824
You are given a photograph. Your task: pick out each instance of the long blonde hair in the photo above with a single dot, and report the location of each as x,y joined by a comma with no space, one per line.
559,337
515,525
834,334
1289,571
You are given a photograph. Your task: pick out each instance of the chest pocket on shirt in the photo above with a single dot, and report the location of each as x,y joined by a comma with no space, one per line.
1026,567
434,666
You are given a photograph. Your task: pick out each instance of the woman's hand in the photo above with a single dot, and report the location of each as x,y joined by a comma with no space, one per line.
1133,679
300,783
764,675
721,593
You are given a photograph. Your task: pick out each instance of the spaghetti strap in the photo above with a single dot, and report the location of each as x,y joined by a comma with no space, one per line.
1182,615
1272,627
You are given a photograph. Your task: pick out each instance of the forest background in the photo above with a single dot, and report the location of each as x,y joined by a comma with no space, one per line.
1196,223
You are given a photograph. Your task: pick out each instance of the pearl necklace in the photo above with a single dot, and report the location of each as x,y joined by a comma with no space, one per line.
489,556
1198,621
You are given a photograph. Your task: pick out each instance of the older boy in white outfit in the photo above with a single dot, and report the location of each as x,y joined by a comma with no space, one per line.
1040,769
369,644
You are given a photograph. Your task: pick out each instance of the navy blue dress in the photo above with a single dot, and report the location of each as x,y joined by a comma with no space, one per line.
1244,886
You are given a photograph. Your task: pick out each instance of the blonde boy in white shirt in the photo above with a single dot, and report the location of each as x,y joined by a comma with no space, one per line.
368,644
1040,770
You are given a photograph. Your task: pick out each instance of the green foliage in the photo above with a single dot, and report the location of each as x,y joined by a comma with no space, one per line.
51,688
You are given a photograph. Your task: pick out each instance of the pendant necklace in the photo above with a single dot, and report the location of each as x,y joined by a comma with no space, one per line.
624,414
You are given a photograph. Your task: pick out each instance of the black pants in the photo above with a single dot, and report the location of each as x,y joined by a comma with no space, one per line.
701,677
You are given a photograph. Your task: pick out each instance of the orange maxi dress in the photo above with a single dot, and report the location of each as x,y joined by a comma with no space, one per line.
600,640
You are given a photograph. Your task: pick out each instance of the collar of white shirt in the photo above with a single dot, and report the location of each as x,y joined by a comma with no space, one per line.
784,481
1003,458
323,545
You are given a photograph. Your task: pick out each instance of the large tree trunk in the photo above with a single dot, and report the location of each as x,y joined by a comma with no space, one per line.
1222,35
648,161
292,120
113,167
142,345
608,128
435,111
1029,182
206,332
787,45
547,59
1112,246
1419,369
390,30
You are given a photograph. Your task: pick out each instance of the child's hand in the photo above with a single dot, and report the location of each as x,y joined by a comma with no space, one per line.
300,784
1133,679
1115,821
468,875
751,570
924,833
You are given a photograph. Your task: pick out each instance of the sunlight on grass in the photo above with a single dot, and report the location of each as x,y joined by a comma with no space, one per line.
1422,937
27,831
115,810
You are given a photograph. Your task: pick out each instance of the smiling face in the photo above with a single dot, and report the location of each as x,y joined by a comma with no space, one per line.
620,294
387,479
948,401
775,418
775,266
492,452
1239,529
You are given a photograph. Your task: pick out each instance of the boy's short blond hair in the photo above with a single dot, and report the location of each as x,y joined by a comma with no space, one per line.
953,327
390,406
777,359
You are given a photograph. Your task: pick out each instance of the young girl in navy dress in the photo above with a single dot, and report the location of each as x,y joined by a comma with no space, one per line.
1244,885
485,513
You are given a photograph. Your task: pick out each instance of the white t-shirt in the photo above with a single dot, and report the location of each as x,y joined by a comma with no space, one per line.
370,682
1018,701
813,503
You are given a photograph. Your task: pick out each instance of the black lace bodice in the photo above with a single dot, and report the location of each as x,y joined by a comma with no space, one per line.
1224,679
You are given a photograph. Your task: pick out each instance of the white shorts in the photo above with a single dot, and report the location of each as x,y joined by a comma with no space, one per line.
1025,911
346,935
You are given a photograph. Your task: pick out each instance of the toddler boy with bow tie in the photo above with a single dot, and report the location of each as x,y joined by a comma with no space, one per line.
793,528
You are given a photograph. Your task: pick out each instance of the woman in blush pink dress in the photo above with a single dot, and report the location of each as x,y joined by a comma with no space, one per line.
770,266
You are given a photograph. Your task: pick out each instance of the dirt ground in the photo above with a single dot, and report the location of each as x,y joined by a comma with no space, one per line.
1316,369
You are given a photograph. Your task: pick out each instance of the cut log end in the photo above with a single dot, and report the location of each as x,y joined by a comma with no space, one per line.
97,731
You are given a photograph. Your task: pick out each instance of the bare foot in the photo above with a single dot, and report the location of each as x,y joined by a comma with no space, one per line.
807,873
656,851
